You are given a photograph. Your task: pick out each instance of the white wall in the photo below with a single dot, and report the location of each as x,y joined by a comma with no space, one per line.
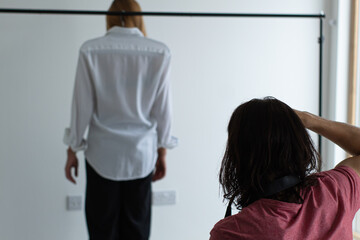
217,64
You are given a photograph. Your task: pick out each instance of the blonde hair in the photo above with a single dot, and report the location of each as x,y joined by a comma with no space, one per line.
125,21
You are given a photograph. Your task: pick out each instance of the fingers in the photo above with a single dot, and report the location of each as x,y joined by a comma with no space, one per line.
155,177
76,170
159,174
68,174
300,114
305,118
70,164
160,170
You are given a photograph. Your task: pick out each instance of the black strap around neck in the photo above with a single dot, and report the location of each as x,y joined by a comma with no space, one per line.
281,184
275,187
228,210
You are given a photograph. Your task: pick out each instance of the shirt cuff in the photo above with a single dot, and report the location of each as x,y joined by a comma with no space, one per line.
172,143
70,142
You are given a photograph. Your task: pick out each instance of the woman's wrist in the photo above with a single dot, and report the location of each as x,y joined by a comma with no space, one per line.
162,152
70,151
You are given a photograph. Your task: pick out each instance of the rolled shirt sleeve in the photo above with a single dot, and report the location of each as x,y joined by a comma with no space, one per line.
162,111
82,106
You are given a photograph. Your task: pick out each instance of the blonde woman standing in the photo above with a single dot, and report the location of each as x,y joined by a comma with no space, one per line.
122,95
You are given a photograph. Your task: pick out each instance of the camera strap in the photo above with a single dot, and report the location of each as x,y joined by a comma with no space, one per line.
275,187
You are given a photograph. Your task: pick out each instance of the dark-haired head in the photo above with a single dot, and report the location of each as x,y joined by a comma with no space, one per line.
266,141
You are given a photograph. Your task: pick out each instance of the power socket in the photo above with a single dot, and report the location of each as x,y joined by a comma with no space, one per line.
73,203
164,198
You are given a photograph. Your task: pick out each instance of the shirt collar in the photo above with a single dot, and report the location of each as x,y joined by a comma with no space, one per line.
124,31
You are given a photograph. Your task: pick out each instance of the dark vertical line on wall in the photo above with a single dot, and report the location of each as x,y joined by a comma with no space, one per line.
321,41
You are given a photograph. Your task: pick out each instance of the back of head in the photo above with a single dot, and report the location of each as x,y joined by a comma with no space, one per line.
266,141
125,21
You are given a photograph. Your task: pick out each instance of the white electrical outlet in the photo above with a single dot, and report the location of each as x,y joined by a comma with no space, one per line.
73,203
164,197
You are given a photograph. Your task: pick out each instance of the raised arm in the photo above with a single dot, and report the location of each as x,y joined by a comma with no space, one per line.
344,135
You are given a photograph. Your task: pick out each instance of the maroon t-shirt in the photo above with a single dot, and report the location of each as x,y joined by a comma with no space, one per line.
327,213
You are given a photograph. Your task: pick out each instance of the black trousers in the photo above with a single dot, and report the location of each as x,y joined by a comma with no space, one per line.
117,210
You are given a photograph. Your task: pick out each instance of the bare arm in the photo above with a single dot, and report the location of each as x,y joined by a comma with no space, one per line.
344,135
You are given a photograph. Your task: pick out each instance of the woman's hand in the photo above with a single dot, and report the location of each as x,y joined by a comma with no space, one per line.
72,162
160,168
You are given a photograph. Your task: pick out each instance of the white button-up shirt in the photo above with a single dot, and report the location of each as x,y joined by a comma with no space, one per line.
122,92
